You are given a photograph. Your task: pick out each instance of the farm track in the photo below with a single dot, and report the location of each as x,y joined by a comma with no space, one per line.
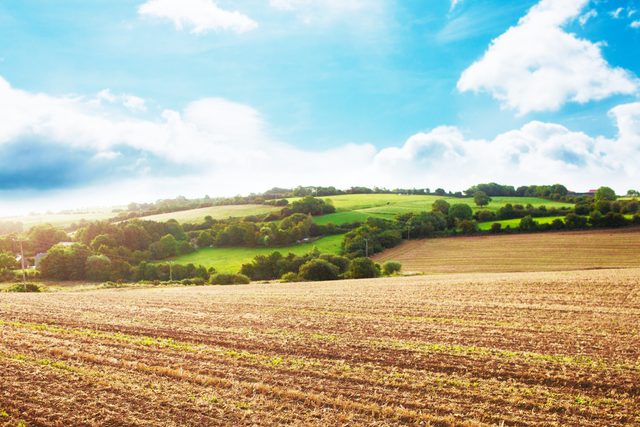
527,349
561,251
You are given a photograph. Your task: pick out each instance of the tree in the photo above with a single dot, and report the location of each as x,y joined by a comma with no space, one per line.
468,227
391,267
7,260
605,193
362,268
461,212
481,199
318,270
633,193
204,240
441,192
528,224
441,206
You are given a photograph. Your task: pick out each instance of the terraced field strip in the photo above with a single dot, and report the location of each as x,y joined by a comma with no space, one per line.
524,252
527,349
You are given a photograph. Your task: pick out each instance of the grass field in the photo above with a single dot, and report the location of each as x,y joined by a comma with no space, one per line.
523,252
216,212
229,260
516,222
388,205
63,220
525,349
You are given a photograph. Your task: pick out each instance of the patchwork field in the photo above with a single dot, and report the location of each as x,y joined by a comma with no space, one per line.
216,212
229,260
64,220
524,252
525,349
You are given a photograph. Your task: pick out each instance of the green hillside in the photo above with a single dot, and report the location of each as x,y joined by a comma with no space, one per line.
229,260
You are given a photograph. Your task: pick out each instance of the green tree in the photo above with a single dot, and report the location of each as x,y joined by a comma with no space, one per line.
98,268
461,212
441,206
204,240
605,193
8,260
391,267
528,224
481,199
468,227
318,270
362,268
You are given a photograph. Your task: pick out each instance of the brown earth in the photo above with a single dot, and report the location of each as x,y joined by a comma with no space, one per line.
560,251
526,349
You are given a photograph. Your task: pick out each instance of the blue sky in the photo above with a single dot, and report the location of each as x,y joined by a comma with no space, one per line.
105,102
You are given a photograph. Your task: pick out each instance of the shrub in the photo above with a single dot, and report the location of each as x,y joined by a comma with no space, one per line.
468,227
635,220
485,216
391,267
290,277
362,268
496,227
29,287
229,279
318,270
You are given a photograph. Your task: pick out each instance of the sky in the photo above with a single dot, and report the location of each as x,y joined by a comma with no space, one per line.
104,102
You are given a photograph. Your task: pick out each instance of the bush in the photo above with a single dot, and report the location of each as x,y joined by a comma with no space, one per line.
635,220
362,268
391,267
290,277
496,227
468,227
318,270
229,279
30,287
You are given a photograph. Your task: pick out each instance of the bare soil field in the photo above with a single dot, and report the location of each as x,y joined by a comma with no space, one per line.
525,349
560,251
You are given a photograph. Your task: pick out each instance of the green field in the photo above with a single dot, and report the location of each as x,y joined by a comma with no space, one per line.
516,222
64,220
229,260
216,212
388,205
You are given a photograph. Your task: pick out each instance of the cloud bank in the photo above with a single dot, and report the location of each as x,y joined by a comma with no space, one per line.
79,151
536,66
201,15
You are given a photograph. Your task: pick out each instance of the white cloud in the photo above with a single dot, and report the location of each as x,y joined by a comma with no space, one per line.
202,15
616,13
108,155
635,24
584,18
454,3
327,11
224,148
132,102
536,66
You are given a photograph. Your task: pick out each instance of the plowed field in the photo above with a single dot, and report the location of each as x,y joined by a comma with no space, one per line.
526,349
522,252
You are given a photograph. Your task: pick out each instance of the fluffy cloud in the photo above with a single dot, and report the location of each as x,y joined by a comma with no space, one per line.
202,15
329,11
536,66
454,3
584,18
59,152
132,102
635,24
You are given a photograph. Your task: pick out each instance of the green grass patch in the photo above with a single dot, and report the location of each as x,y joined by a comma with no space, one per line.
229,260
516,222
341,218
64,220
216,212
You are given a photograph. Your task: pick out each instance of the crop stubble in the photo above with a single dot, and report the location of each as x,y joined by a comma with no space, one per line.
576,250
518,349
